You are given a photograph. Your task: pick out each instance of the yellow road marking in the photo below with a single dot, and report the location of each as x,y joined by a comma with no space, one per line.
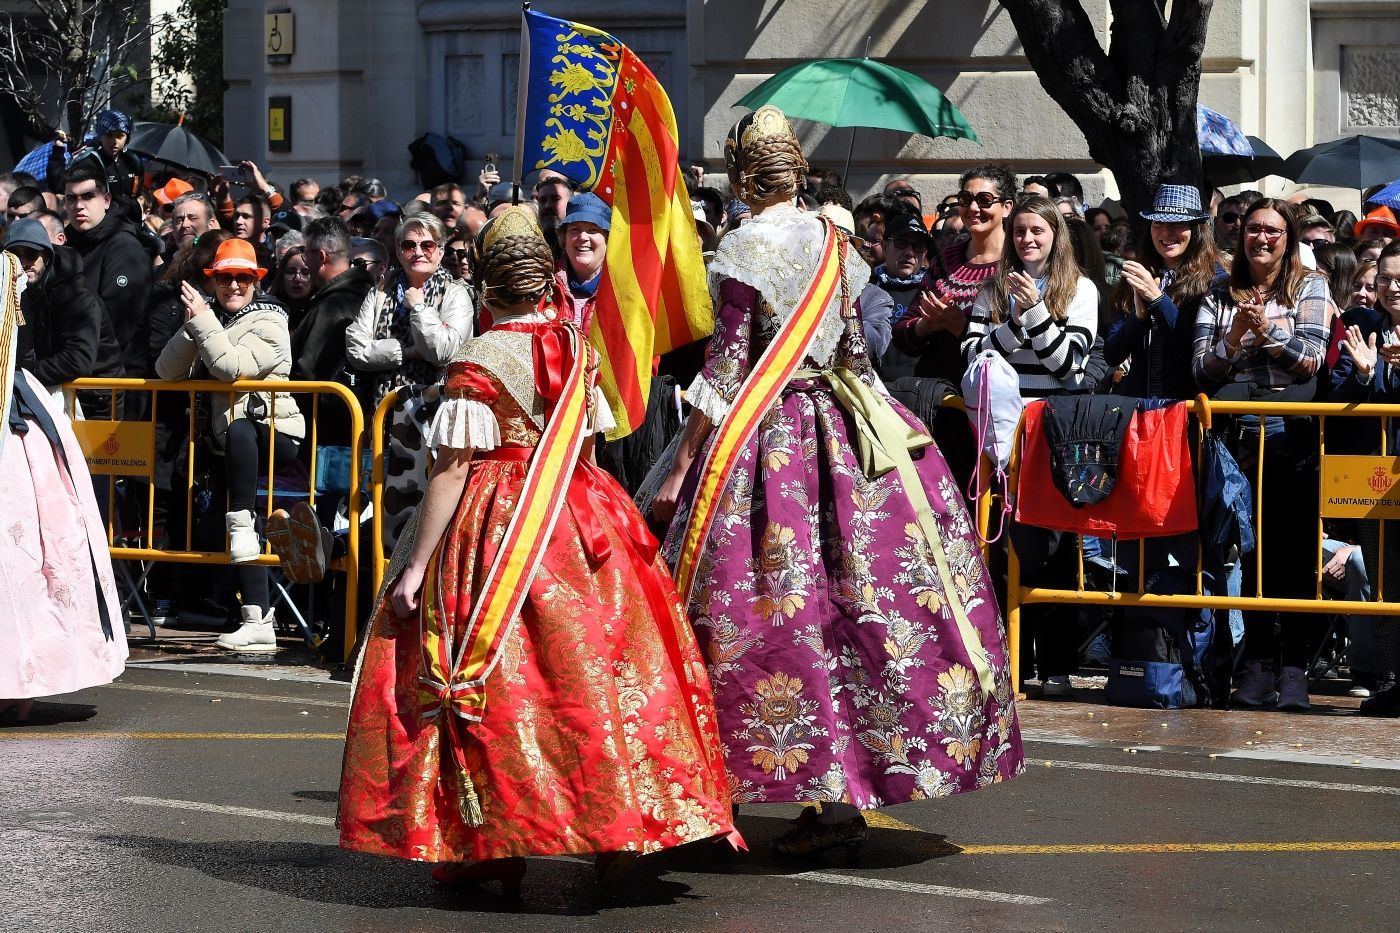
1168,848
203,736
877,820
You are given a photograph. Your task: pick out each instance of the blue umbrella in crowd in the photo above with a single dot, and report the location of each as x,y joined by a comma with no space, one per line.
1218,135
36,163
1221,170
1388,196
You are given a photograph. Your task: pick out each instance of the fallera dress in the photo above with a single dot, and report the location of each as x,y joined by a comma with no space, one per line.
838,671
599,732
61,626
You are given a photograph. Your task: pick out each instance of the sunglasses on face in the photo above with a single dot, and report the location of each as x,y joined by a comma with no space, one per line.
1230,217
459,255
428,247
983,199
241,279
366,264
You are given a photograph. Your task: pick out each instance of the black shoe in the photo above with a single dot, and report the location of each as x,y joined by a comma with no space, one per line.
1385,704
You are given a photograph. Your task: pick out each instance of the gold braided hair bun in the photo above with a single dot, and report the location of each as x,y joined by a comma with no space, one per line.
516,263
763,157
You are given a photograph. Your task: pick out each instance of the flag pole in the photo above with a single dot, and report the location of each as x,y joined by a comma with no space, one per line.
521,95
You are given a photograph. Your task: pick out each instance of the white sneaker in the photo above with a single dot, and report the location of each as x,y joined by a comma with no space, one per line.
243,543
1056,685
255,634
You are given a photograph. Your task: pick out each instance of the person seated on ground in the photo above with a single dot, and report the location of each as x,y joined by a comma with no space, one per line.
1154,308
1263,334
241,336
66,334
408,328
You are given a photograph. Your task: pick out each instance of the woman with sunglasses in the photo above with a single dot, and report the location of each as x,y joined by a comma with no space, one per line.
291,284
1263,334
935,324
241,335
410,326
456,258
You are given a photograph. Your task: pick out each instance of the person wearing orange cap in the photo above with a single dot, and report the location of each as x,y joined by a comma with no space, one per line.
244,335
1379,224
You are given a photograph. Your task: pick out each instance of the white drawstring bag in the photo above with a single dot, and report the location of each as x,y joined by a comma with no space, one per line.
992,393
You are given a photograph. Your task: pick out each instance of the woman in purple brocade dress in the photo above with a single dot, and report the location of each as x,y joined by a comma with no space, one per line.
854,645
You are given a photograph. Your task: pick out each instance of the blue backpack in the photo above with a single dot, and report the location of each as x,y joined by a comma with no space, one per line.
1161,655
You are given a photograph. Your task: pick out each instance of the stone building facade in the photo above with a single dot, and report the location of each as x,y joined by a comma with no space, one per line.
367,78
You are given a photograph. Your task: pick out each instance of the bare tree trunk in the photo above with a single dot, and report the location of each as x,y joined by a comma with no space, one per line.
1136,102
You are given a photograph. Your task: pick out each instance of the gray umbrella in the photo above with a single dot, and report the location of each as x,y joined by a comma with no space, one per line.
1349,162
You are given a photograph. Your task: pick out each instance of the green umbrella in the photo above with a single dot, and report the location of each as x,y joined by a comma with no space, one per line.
861,92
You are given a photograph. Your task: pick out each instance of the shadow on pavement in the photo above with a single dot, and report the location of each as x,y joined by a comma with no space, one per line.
327,874
53,714
884,848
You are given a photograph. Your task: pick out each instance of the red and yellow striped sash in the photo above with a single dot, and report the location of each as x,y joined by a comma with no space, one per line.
455,674
753,401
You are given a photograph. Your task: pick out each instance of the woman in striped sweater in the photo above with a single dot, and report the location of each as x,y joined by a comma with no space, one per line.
1038,311
1041,315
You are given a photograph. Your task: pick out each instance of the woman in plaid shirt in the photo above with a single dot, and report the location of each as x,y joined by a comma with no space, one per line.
1265,331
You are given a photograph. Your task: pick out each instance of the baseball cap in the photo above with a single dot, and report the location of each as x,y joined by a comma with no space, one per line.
502,193
905,225
236,256
286,219
839,216
588,206
172,189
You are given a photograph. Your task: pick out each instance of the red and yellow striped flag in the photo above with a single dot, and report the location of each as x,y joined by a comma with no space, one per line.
596,113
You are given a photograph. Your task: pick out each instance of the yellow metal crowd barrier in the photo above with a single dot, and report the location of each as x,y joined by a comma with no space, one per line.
119,448
1364,487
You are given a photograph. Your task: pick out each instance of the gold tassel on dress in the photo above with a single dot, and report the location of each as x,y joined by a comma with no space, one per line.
468,803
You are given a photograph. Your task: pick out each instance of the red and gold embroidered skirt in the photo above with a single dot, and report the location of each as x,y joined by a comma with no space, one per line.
599,732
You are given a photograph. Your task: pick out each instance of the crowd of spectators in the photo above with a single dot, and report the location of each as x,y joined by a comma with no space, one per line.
176,274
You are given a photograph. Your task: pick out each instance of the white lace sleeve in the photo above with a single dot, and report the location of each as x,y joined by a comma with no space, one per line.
706,399
464,424
603,420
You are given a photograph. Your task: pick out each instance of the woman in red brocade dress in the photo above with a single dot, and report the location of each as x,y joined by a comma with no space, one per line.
597,730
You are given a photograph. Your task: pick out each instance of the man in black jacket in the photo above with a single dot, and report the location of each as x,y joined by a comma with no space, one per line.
66,334
318,345
117,265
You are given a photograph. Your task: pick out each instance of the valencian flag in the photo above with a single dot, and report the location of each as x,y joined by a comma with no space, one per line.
591,110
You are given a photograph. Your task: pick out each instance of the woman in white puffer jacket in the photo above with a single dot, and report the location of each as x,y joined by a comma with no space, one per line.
241,336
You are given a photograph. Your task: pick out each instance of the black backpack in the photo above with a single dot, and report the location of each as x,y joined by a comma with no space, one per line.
1162,656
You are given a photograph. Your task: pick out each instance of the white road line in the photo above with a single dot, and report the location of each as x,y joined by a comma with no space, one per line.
229,695
1303,758
910,887
1223,778
232,811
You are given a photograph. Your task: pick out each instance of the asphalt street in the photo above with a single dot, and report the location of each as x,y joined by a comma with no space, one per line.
189,798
